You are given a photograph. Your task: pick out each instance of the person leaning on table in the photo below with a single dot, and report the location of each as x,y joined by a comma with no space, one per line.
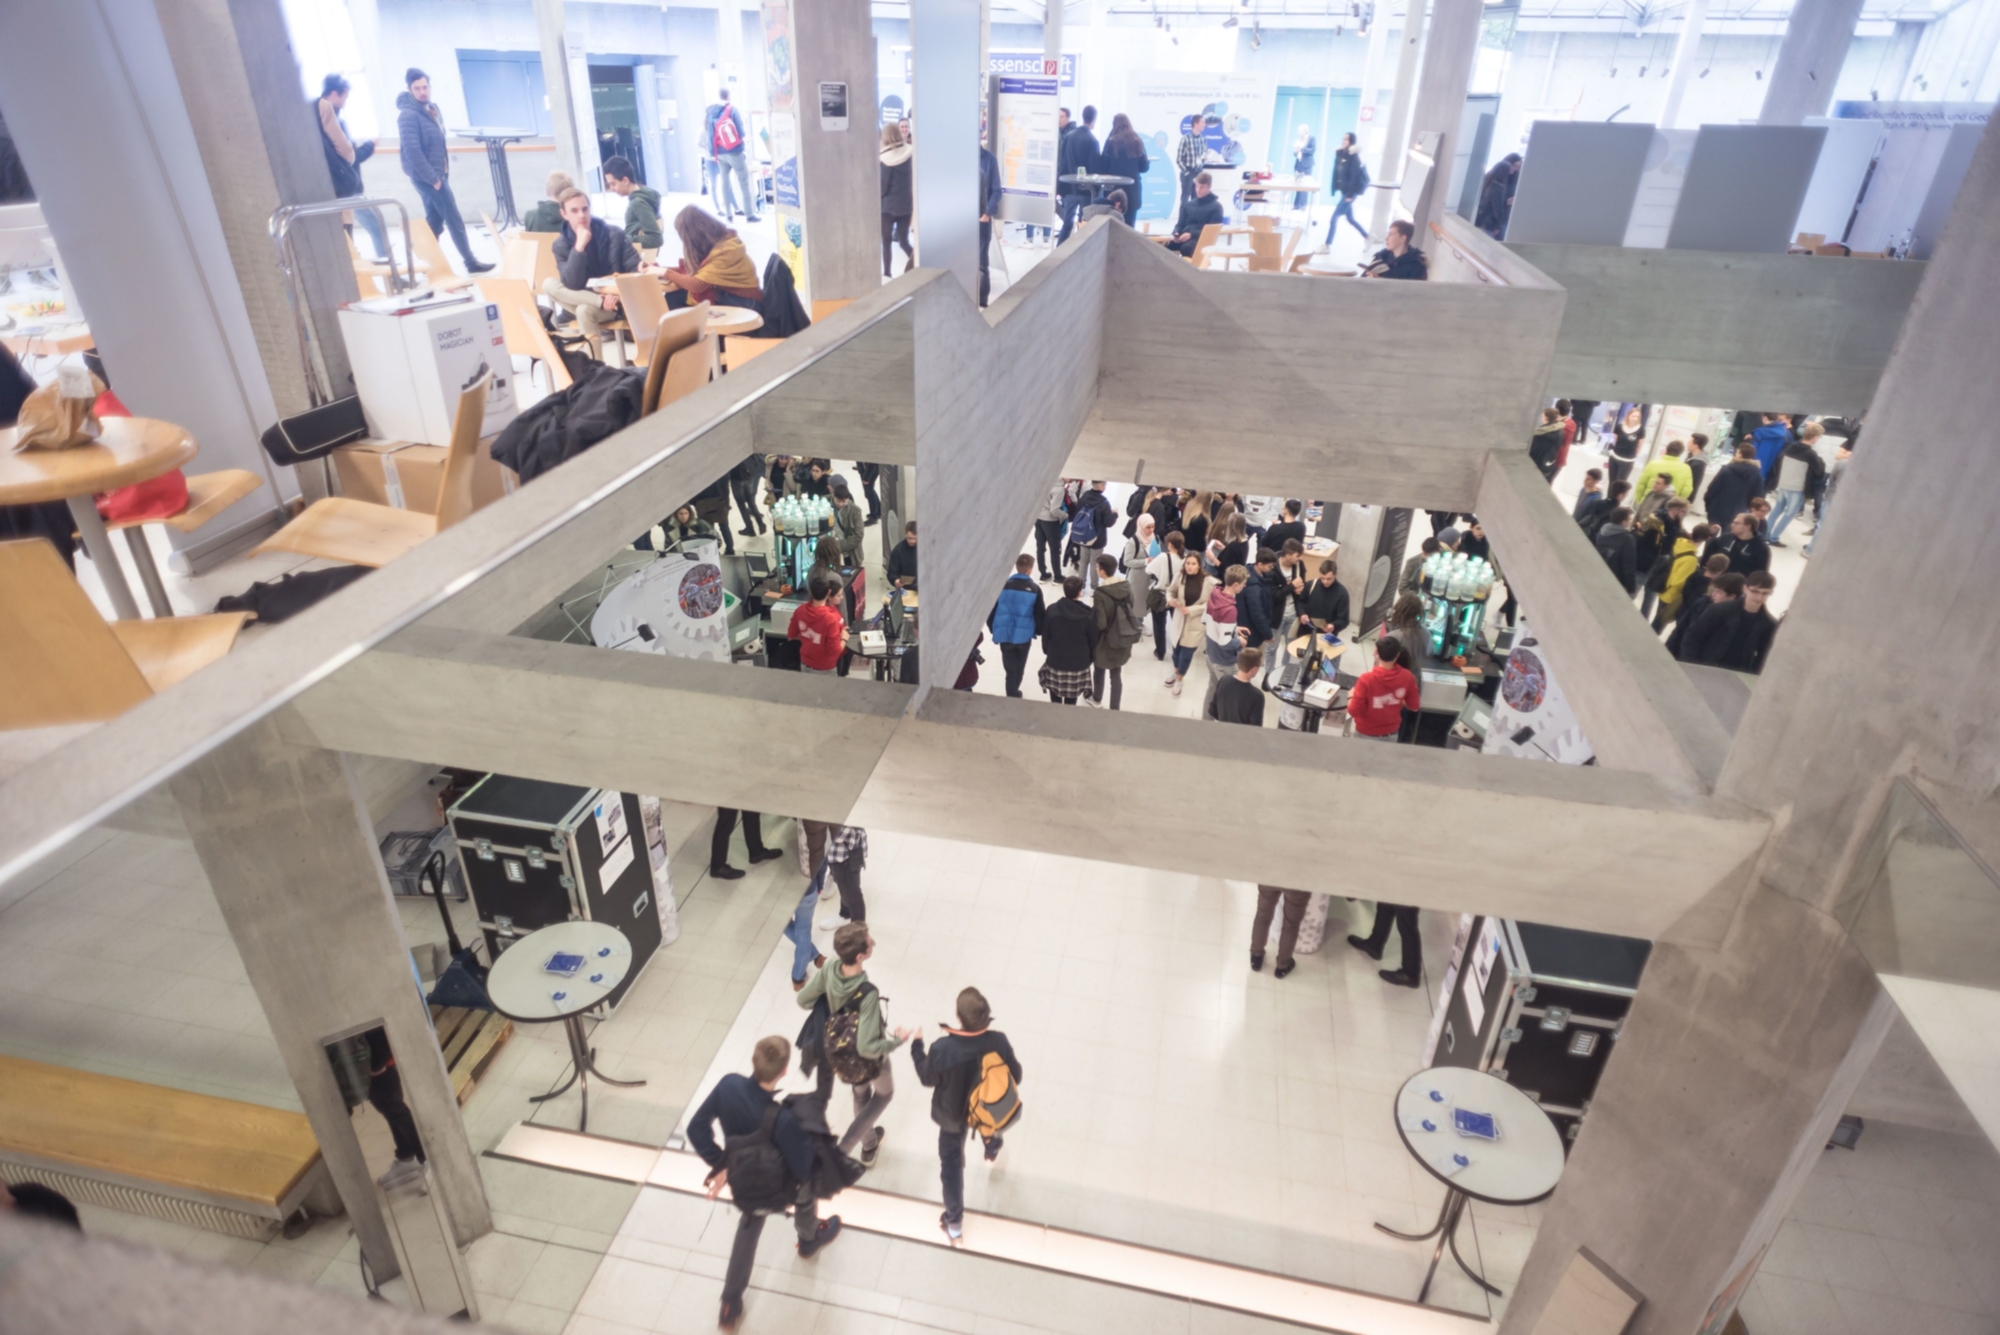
588,248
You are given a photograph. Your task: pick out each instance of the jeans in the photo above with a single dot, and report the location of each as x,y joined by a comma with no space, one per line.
725,825
1784,510
1288,931
1344,209
725,163
746,505
985,262
873,497
1404,918
1015,658
869,1102
1070,205
815,833
896,231
1048,545
951,1170
799,931
370,222
385,1091
1117,685
441,210
1183,659
847,879
749,1228
1087,557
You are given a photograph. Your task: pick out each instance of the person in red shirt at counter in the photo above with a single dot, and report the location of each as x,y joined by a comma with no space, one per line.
819,628
1377,702
713,266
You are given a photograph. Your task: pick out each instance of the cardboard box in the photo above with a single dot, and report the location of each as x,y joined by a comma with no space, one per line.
411,362
408,476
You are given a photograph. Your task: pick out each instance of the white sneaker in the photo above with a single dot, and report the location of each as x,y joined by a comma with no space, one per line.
1175,686
400,1172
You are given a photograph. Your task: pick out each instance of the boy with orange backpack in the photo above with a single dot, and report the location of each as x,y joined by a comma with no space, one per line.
972,1074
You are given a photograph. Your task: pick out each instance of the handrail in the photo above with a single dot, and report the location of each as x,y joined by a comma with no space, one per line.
288,264
1487,273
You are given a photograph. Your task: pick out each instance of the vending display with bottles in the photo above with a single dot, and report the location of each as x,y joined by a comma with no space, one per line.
1455,589
798,523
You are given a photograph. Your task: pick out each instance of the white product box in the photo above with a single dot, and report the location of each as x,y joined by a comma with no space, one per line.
412,361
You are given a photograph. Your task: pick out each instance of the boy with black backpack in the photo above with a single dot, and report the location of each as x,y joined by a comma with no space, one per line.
767,1161
854,1044
972,1074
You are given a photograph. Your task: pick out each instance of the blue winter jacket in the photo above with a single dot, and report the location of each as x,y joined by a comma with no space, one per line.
1770,439
1017,617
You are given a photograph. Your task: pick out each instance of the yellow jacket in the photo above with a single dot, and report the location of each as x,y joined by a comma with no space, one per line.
1686,561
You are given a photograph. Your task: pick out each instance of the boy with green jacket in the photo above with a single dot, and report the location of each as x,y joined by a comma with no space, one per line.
843,982
642,203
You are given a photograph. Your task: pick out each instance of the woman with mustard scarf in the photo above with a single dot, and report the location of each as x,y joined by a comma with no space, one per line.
713,266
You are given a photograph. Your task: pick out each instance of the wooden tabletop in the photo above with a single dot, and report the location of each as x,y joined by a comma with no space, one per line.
56,342
733,320
132,449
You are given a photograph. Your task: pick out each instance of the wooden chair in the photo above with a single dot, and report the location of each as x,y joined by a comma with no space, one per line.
209,494
365,534
1292,236
1266,252
1263,222
644,303
521,323
66,664
1211,233
822,309
543,244
430,256
684,358
742,348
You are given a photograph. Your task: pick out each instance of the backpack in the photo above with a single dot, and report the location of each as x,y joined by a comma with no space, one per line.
1360,175
727,137
1083,528
995,1102
843,1035
1125,627
759,1181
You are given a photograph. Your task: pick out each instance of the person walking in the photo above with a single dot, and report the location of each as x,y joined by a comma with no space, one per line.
1162,568
747,1109
1125,155
743,485
846,855
1016,621
1189,152
727,143
989,213
1305,156
1403,917
642,202
344,158
1118,629
1237,698
588,248
385,1094
1069,637
799,930
1077,154
898,198
1375,706
957,1069
421,146
1797,473
1496,196
753,839
1296,903
1187,600
857,1045
1350,180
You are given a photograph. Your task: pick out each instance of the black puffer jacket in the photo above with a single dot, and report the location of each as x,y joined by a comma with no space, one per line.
1619,547
421,140
604,400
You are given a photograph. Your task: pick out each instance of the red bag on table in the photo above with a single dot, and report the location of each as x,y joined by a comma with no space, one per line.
156,498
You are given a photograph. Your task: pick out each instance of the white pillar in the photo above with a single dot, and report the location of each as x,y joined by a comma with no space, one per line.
944,36
839,184
1895,71
1396,138
1685,56
549,30
1809,61
1052,31
1440,100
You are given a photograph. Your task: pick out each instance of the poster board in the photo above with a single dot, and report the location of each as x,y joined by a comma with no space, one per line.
1840,177
1579,180
1161,104
1744,187
783,128
1025,139
1659,189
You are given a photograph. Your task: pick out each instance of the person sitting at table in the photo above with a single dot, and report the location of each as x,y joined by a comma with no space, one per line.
1398,259
713,265
546,216
588,248
1196,214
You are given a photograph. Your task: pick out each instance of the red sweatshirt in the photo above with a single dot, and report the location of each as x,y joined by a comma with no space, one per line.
821,633
1377,702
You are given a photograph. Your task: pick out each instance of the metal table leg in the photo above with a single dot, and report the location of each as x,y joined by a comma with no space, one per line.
149,574
583,1065
1446,1233
97,543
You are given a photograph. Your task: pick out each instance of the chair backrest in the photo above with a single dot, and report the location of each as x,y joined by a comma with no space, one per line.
1292,236
687,371
743,348
644,303
1266,252
822,309
63,664
545,256
1210,234
521,323
1263,222
455,492
517,257
424,241
673,332
492,228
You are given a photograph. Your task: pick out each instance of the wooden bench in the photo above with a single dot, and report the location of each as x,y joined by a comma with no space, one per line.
237,1168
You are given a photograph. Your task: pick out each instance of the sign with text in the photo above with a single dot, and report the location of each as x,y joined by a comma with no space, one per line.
1024,144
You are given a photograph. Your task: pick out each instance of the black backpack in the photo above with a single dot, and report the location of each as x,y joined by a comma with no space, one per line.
759,1180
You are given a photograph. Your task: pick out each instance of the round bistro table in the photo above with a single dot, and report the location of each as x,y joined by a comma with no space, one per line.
522,988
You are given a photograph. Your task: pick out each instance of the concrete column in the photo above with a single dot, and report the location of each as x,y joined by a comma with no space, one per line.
1396,138
833,41
284,837
1052,32
551,33
260,147
380,79
944,35
1685,55
1809,61
1440,96
1714,1106
1370,125
729,44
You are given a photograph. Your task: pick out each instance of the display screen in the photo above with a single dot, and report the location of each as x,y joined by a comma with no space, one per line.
564,963
1477,1124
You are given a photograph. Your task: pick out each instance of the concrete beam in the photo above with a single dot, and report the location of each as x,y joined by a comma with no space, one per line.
1449,49
708,733
1548,843
1690,326
859,404
1633,701
1262,383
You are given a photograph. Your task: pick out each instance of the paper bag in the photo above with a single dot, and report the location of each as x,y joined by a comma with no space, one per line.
60,415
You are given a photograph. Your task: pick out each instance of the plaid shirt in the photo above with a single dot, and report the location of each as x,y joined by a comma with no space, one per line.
846,842
1189,154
